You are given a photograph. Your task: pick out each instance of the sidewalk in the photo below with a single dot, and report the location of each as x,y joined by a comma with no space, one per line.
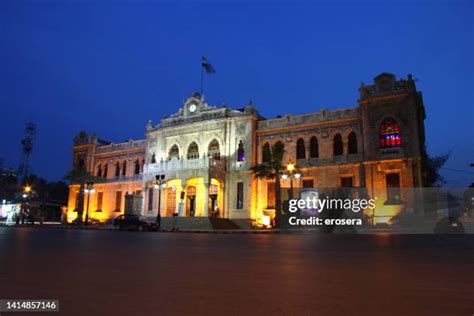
52,225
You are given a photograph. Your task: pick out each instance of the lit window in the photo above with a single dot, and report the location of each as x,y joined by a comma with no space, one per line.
389,135
241,152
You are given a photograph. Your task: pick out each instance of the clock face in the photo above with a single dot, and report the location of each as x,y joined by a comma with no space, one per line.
192,108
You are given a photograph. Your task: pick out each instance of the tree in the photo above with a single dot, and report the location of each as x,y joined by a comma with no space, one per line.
79,175
272,169
431,166
8,183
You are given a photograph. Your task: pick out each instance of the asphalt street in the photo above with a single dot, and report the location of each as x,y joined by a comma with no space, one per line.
94,272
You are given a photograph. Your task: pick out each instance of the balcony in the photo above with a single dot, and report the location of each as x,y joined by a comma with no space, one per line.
121,178
185,164
388,153
341,159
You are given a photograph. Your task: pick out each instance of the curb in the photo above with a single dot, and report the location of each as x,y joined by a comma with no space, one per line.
197,231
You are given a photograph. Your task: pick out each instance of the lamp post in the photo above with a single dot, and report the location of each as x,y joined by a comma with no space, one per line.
291,172
24,204
159,184
89,189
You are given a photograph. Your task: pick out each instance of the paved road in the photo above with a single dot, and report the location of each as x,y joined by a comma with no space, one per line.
128,273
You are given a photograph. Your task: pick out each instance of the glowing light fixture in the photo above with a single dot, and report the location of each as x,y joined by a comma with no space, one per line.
290,167
265,220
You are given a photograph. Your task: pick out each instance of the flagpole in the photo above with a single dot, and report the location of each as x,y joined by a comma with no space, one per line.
202,78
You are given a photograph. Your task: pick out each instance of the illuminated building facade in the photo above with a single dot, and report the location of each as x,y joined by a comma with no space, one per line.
206,152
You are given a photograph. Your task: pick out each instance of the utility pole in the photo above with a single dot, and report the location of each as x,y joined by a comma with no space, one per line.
27,148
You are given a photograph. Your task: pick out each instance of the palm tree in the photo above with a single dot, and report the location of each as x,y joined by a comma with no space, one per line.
271,168
79,176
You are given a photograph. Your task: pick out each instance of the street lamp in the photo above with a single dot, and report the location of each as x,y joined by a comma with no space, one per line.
291,172
159,184
24,203
88,190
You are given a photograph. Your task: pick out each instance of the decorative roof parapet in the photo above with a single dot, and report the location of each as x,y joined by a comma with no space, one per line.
386,84
201,111
131,144
82,138
321,116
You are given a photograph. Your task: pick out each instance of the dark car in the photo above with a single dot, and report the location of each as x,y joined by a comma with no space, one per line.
132,222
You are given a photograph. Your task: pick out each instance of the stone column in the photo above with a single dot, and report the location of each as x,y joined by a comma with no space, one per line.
182,211
206,200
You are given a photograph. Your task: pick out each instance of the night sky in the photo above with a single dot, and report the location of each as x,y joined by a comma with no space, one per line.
107,67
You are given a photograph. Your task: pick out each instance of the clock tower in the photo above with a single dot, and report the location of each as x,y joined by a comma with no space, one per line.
194,104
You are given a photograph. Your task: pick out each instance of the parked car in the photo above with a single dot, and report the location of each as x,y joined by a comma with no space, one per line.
133,222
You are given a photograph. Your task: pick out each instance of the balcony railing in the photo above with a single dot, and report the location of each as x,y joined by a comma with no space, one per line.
348,158
387,153
135,177
185,164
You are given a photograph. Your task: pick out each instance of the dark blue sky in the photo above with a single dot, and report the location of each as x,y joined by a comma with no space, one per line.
110,66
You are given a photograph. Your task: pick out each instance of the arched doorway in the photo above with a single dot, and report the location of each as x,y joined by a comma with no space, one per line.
170,201
190,201
213,193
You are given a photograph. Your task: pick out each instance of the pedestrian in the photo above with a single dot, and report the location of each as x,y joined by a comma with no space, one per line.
215,213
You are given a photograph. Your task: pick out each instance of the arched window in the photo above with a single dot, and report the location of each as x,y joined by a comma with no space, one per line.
193,151
99,170
124,168
389,135
82,164
352,143
337,145
137,166
117,169
300,149
278,150
314,147
173,152
153,158
213,150
106,170
241,152
266,153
